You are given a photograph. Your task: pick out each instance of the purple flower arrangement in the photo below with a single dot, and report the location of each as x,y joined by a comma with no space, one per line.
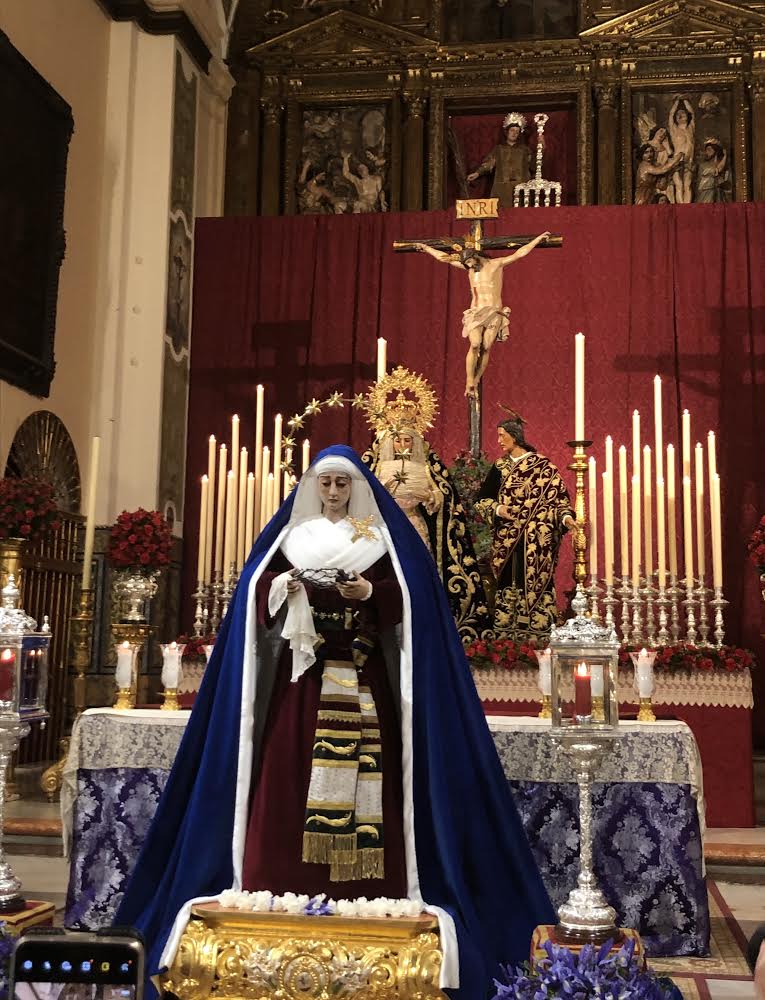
589,973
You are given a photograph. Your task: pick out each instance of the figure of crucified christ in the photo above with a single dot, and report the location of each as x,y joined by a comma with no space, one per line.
486,320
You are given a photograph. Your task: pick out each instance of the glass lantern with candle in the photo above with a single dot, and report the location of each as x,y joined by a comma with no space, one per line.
584,664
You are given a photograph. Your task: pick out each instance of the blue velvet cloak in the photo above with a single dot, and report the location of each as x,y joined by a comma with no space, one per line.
472,856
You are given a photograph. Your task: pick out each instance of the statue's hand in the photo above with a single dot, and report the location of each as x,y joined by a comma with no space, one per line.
472,178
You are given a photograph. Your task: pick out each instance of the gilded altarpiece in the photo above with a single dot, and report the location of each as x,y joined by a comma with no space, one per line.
605,65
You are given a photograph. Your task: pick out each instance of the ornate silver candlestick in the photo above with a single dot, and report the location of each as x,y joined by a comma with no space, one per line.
674,596
593,592
538,192
637,616
690,602
586,916
610,602
200,596
217,593
648,592
228,589
662,603
702,592
625,593
718,604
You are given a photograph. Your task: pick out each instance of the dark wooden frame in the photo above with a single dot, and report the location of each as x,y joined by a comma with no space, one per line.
35,128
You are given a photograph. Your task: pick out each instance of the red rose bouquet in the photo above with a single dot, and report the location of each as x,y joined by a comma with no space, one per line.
756,546
27,508
141,539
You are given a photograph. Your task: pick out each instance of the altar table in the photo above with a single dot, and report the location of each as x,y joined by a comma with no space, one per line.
648,826
715,704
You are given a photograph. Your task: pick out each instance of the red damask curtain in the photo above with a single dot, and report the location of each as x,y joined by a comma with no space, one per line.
297,304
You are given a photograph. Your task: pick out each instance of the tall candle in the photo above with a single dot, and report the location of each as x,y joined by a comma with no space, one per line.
90,512
717,573
647,513
711,458
635,531
271,495
661,547
658,429
211,448
700,536
241,519
234,484
287,474
265,503
202,547
687,531
593,501
608,528
623,512
582,691
220,516
636,444
579,387
382,357
306,455
258,454
276,486
686,443
250,513
671,511
229,545
124,674
610,456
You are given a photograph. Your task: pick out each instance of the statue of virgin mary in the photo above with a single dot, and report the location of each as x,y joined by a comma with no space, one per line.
339,640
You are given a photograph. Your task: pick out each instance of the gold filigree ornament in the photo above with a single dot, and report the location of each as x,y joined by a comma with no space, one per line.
401,399
280,956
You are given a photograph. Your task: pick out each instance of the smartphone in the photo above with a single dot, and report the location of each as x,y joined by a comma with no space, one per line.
53,964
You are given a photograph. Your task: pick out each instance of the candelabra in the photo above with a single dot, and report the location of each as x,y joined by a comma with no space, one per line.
136,634
690,602
538,192
648,592
200,596
662,603
229,585
702,592
673,594
637,616
625,593
610,602
586,916
718,604
579,466
217,594
594,592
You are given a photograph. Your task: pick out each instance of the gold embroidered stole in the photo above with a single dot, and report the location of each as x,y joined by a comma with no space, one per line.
344,816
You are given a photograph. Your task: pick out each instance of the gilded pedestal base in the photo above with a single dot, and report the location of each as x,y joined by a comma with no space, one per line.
280,956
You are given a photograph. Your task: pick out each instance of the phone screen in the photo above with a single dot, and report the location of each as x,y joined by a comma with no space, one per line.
80,967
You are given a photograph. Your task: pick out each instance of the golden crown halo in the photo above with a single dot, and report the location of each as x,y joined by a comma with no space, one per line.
401,399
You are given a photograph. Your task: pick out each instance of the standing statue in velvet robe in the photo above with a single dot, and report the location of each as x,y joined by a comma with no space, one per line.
339,643
526,502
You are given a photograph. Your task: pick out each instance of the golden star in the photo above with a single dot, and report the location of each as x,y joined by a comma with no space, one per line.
336,399
312,408
296,422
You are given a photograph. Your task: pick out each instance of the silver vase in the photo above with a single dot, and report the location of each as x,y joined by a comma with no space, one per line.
133,589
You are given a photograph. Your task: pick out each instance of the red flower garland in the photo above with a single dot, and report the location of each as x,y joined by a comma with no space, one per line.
27,508
756,546
504,654
141,539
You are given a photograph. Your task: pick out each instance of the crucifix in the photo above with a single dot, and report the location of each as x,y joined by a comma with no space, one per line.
486,320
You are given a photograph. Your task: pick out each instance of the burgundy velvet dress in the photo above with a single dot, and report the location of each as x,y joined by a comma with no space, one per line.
273,848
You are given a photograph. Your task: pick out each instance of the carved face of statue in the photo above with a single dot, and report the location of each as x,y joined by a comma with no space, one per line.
403,443
506,441
334,492
681,116
661,136
512,134
649,154
363,170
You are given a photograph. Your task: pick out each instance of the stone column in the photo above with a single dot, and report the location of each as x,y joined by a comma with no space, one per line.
271,159
413,182
606,100
757,88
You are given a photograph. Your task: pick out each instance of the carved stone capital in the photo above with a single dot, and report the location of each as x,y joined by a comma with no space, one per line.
272,111
415,105
606,95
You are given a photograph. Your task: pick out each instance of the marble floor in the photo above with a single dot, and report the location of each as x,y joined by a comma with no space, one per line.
742,886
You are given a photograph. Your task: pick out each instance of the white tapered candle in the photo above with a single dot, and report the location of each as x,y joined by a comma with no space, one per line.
241,519
636,444
687,532
671,511
229,544
202,545
608,528
382,357
624,527
264,500
635,531
249,512
717,572
220,516
211,456
90,512
700,516
658,428
647,514
306,455
579,387
686,426
661,546
277,456
258,453
593,502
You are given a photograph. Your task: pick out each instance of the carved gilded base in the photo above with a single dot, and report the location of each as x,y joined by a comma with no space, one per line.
52,777
280,956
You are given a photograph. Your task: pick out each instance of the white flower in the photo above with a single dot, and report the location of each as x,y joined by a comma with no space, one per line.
235,899
347,908
378,907
412,908
261,901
